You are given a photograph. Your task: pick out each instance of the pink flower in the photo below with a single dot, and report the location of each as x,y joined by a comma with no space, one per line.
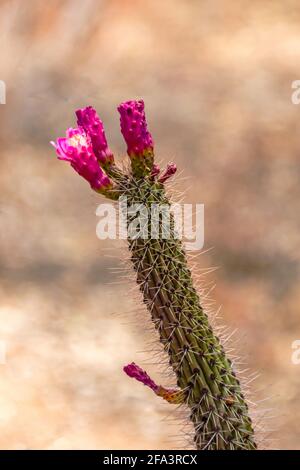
88,119
76,148
134,128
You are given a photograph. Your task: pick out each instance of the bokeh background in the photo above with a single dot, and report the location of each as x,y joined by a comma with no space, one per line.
216,79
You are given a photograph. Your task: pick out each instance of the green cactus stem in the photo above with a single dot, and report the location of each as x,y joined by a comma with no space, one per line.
211,389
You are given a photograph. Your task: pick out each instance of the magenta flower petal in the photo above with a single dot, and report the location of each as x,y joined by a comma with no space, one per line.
76,148
88,119
134,128
134,371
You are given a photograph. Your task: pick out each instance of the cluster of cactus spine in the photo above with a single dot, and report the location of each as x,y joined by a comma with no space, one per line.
206,381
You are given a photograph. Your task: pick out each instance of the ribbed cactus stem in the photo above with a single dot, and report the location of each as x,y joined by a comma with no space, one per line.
211,390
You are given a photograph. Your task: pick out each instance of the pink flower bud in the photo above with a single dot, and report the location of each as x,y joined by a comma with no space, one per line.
168,172
134,128
88,119
175,396
134,371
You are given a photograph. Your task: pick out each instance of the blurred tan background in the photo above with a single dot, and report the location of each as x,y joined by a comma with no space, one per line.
216,79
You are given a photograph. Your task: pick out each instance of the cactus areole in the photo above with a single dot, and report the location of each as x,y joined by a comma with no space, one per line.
206,381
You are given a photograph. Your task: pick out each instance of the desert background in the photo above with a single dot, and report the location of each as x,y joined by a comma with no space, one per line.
216,79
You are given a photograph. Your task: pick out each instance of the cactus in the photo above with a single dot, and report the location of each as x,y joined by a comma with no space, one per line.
206,381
